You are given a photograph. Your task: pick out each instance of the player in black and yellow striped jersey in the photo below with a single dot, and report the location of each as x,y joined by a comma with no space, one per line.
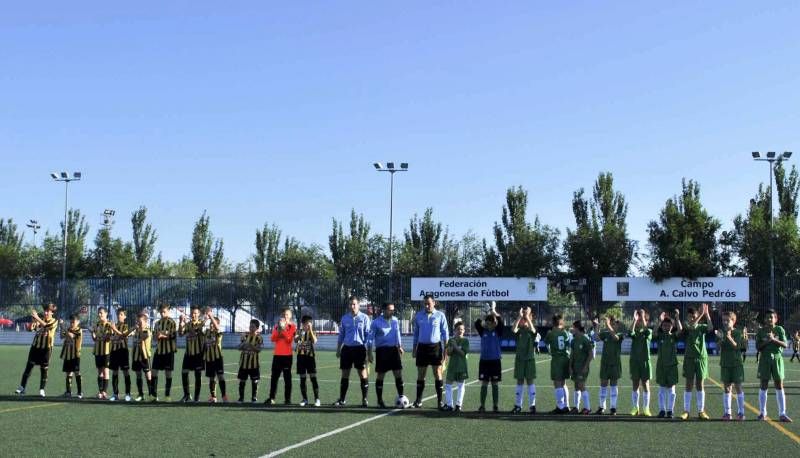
141,356
72,340
120,356
193,358
249,366
212,354
41,347
166,333
102,332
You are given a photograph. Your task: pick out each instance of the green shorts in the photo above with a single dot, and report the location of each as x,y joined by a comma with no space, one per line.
695,368
610,372
559,368
524,369
667,375
578,377
732,374
641,370
770,367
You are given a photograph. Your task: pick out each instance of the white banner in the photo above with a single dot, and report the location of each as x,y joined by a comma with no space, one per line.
704,289
479,289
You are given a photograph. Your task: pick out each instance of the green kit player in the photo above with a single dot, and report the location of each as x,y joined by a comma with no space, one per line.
524,363
641,337
730,341
557,341
695,360
771,340
610,361
667,364
580,359
457,373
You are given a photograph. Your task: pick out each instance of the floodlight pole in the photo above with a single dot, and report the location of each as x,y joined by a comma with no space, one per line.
66,179
392,170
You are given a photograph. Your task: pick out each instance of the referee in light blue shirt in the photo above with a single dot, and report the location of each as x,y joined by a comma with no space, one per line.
430,340
351,349
388,343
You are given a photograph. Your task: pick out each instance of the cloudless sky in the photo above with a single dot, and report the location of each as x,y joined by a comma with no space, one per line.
274,112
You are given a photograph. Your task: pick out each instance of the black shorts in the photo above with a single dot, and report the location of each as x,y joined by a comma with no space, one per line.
39,356
102,361
429,355
143,366
282,362
353,357
193,362
387,359
215,367
71,365
489,370
306,365
119,360
253,374
164,362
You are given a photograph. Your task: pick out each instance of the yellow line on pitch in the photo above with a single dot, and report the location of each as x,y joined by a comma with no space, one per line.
771,422
16,409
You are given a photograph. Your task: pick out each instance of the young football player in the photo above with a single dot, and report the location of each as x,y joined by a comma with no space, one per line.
249,366
141,356
490,330
771,341
558,344
72,340
457,372
193,358
120,357
695,360
524,361
612,336
580,360
102,332
166,345
641,336
730,340
212,354
283,337
667,363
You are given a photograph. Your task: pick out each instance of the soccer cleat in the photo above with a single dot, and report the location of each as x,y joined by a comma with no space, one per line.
416,405
586,412
685,416
127,398
613,411
167,399
254,400
20,391
762,417
600,411
80,395
457,409
785,419
113,398
740,417
532,410
339,403
634,411
240,401
41,393
139,398
381,405
225,399
516,409
703,416
726,417
212,400
555,411
670,415
564,411
364,403
269,402
287,402
303,403
481,409
573,411
153,398
66,394
646,412
317,403
495,409
445,408
185,399
662,414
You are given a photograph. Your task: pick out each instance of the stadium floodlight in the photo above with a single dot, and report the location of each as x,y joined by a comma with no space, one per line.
34,226
65,177
772,160
390,168
54,175
76,176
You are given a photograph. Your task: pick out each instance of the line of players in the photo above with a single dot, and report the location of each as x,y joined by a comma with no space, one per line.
571,355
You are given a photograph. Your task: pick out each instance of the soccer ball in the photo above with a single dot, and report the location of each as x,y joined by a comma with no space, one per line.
402,402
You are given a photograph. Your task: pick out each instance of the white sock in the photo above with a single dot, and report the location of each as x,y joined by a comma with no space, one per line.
762,402
781,402
635,399
532,394
518,399
672,397
614,396
462,386
448,394
662,401
740,403
603,396
646,399
560,398
587,403
577,398
701,401
726,403
687,401
566,396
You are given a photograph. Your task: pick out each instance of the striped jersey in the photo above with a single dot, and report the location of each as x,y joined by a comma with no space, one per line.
305,343
102,338
213,345
194,337
167,327
71,343
141,345
249,357
45,333
120,341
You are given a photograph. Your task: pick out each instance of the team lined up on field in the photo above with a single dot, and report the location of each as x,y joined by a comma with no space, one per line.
571,355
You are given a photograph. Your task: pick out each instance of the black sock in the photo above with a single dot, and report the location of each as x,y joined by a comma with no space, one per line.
439,385
315,386
167,386
254,387
379,390
99,383
212,387
139,384
26,373
78,383
115,383
287,385
398,383
153,382
222,389
343,385
185,383
197,383
127,383
420,389
364,387
303,389
242,384
43,380
69,383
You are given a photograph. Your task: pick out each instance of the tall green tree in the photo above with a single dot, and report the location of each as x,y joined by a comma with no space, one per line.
428,249
144,237
12,259
599,246
208,254
521,248
351,249
683,241
267,255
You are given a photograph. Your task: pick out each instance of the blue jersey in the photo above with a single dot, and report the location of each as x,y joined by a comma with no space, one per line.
430,328
354,330
385,333
490,340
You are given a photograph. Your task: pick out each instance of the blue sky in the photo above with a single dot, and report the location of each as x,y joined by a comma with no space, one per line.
265,112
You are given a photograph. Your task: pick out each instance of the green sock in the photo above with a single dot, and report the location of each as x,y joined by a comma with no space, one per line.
484,392
495,394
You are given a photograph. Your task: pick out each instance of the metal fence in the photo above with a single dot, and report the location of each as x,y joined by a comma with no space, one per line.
325,299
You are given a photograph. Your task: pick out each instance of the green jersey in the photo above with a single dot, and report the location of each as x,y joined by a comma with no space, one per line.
640,345
667,349
526,344
457,363
612,348
730,355
696,341
762,336
582,348
558,343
